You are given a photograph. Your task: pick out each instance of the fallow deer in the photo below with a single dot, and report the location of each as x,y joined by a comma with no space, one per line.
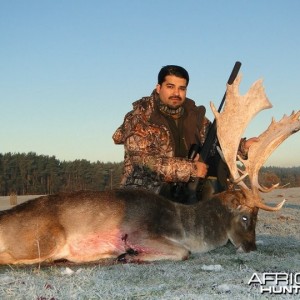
137,225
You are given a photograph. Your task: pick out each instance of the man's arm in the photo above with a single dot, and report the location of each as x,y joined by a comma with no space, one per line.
156,154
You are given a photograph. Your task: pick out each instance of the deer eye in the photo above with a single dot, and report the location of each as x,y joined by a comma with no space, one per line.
244,218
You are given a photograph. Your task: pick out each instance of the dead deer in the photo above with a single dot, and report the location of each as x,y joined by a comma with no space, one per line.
137,225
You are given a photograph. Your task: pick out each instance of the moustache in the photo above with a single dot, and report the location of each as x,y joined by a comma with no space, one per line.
175,98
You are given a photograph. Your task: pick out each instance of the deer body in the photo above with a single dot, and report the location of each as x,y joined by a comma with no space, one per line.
134,224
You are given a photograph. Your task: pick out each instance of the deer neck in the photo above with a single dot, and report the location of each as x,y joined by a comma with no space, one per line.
205,224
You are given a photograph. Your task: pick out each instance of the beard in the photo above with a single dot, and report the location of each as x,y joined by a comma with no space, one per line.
175,106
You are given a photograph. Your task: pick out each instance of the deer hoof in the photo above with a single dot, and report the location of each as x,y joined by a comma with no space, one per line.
122,258
128,256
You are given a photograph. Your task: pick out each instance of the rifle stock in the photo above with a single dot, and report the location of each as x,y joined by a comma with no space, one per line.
209,147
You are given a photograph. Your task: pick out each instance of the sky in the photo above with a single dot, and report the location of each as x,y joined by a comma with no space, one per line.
70,70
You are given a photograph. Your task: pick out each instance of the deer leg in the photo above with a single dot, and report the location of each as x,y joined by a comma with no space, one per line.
29,247
151,249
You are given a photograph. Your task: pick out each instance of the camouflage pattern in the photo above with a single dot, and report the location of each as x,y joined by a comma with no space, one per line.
150,147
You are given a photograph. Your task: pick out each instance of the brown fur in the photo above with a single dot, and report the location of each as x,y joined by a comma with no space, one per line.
134,225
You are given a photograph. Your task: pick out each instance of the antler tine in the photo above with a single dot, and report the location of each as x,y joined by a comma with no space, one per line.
268,141
232,122
263,206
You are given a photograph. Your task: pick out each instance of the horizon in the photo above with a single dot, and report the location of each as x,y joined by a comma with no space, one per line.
116,162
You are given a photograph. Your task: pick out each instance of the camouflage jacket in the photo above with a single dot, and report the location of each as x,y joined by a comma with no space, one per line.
150,144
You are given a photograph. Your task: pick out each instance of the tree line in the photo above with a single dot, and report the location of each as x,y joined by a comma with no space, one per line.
32,174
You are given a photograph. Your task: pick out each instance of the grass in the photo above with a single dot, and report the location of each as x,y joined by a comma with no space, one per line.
159,280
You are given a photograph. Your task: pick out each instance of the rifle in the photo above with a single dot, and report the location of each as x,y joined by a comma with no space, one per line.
210,144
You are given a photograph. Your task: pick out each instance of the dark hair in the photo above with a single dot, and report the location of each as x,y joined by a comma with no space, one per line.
172,70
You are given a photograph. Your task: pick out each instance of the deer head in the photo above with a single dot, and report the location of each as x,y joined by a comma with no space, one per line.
231,124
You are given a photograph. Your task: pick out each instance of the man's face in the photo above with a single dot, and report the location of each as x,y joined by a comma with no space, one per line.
172,91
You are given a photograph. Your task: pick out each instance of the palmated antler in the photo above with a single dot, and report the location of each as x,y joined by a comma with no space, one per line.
267,142
231,124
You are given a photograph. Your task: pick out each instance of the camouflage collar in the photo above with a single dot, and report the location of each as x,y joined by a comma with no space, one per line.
174,113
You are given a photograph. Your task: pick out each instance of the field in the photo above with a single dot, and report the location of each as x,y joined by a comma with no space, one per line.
219,274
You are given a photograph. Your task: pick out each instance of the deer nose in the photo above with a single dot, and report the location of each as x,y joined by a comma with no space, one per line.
240,249
246,248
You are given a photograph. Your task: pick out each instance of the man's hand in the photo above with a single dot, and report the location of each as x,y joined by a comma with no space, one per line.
201,167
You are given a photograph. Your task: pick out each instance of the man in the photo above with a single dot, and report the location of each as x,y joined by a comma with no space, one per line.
157,135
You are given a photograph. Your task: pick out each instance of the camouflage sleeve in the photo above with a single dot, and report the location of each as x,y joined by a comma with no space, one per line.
171,169
151,150
123,130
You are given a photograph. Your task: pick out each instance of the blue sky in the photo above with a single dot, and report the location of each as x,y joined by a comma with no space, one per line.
69,70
